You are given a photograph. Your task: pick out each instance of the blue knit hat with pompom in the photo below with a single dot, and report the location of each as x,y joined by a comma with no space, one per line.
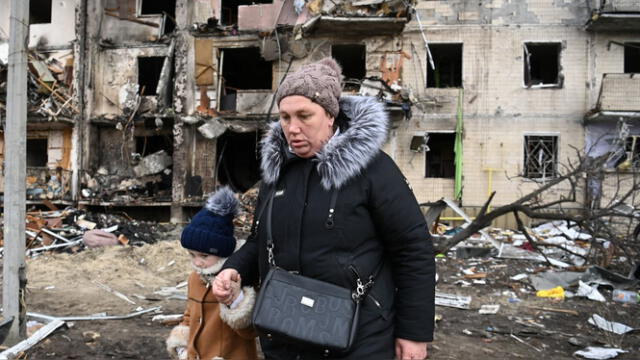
211,229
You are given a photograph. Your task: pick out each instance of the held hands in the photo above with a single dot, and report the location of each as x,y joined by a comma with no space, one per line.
407,349
226,286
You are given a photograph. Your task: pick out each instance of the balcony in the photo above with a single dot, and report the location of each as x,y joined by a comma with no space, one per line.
619,97
336,17
615,15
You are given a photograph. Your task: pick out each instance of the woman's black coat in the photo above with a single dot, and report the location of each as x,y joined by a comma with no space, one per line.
377,218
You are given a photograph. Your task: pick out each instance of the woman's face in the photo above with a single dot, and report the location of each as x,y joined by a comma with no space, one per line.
307,126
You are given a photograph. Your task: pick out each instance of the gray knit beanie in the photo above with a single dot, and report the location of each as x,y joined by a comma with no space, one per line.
319,81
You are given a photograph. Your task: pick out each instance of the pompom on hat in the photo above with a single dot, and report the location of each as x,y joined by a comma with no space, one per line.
319,81
211,229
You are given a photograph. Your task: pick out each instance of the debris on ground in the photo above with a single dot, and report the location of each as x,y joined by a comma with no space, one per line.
72,229
599,353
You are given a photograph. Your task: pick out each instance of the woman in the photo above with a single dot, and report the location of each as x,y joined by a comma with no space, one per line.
325,143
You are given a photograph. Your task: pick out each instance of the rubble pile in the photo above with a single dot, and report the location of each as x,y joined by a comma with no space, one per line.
499,272
358,8
244,219
72,230
50,184
152,182
50,93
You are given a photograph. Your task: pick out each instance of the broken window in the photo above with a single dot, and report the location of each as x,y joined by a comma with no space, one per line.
149,69
353,60
147,145
540,156
440,155
40,11
542,64
243,69
632,57
237,163
447,59
229,11
37,152
167,8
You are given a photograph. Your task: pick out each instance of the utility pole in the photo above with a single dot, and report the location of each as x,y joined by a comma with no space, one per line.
14,272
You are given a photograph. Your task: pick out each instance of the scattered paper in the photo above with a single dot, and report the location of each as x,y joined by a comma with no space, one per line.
590,292
452,300
519,277
489,309
614,327
599,353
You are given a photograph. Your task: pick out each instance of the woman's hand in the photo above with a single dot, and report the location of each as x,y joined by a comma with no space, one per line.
407,349
226,286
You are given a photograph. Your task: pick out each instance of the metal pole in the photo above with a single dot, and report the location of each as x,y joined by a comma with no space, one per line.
14,273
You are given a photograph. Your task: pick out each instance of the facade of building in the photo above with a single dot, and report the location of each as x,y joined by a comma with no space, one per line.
157,102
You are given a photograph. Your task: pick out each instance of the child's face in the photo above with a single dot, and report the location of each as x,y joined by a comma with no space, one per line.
203,260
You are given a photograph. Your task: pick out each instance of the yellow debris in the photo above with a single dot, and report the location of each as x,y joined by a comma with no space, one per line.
557,293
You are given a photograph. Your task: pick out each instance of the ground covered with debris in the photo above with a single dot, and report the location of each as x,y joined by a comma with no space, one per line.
86,283
525,326
497,295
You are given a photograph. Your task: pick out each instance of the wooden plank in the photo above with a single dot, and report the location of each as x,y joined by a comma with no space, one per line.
204,61
67,134
26,344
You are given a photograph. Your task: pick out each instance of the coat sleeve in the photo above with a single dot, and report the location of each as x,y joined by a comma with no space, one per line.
245,260
408,245
179,336
239,318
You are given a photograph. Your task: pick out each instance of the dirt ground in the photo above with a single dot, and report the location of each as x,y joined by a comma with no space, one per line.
65,284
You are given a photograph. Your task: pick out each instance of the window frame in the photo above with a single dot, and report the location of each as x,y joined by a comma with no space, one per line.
559,84
425,152
525,173
428,65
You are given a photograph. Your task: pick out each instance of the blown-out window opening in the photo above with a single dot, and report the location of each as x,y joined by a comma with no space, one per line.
542,65
632,57
439,155
447,59
40,11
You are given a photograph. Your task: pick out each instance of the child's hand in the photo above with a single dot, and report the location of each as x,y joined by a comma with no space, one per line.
226,286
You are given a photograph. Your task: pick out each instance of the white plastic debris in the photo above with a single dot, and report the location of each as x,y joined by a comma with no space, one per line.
614,327
590,292
453,300
489,309
599,353
462,283
519,277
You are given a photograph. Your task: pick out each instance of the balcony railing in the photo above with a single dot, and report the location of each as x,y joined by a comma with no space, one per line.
620,92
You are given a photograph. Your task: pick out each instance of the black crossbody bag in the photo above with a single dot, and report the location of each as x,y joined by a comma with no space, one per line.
301,310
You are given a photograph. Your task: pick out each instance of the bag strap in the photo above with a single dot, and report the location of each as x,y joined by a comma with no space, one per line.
362,289
263,206
271,258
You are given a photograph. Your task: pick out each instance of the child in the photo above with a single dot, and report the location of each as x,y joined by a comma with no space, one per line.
211,329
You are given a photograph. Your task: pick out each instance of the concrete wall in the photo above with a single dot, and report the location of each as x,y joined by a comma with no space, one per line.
60,32
498,109
114,69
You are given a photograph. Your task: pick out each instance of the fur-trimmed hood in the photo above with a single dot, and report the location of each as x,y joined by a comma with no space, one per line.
346,154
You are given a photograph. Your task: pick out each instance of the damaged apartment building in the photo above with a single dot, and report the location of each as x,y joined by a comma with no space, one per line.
152,104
